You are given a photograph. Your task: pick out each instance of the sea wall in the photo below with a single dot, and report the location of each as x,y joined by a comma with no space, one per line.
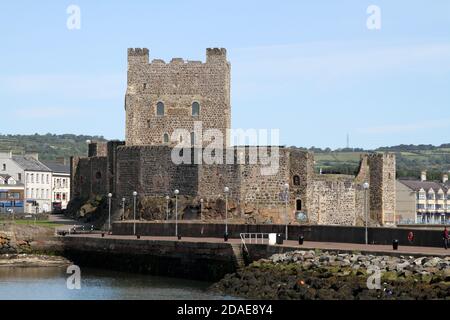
201,261
376,235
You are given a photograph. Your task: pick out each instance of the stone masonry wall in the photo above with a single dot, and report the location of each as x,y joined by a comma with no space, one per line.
177,84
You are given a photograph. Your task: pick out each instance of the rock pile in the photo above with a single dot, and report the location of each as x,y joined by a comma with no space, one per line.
330,275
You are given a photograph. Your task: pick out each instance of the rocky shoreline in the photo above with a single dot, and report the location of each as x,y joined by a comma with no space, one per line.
316,275
32,260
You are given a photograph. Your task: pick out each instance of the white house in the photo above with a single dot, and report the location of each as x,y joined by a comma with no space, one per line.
60,183
36,177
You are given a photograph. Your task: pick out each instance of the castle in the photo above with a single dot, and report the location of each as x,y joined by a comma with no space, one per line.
163,97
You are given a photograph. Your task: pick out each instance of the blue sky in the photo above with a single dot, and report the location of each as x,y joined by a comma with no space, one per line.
309,68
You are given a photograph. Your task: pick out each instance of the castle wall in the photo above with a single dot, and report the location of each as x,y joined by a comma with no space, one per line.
382,187
90,177
333,201
150,171
177,84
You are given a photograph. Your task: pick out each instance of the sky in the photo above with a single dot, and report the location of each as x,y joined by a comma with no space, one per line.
312,69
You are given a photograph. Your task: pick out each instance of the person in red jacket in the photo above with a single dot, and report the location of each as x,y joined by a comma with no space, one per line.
445,238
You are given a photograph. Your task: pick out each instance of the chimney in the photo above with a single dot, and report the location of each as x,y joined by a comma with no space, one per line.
423,176
6,155
445,178
33,155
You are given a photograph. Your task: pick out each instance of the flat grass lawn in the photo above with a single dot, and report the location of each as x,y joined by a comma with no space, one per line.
41,223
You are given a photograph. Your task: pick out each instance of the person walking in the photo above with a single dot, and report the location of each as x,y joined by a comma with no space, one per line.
445,238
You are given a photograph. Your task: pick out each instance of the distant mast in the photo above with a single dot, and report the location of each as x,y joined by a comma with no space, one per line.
348,141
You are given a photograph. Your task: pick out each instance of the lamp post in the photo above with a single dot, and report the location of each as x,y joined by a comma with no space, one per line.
123,208
366,187
176,192
109,211
201,209
286,196
226,190
167,208
134,212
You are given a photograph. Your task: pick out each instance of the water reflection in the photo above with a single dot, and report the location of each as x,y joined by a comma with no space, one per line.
50,283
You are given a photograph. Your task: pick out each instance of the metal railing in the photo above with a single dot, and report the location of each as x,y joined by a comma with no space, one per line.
76,230
254,238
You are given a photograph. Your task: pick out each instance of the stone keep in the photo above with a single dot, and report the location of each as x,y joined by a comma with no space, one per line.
176,86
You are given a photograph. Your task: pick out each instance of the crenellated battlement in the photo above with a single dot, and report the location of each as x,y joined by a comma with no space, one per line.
138,52
141,56
138,56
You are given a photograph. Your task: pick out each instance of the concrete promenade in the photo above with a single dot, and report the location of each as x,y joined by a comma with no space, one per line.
307,245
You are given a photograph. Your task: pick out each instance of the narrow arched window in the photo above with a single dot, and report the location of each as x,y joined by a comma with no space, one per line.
296,180
192,139
298,205
160,109
195,109
166,138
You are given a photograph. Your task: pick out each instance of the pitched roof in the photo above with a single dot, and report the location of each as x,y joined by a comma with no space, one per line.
57,167
416,185
30,164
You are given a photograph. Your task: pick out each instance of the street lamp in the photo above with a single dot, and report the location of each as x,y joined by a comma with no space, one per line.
286,196
201,209
226,190
167,208
176,192
366,187
134,212
109,211
123,208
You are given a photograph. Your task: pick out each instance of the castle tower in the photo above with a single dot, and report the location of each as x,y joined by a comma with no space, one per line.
163,97
382,187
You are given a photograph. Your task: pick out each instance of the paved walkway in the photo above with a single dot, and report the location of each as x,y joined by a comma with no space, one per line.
307,245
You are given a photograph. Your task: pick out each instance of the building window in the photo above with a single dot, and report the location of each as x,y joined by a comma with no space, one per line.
19,176
15,195
192,139
165,138
4,167
160,109
64,197
37,178
296,180
32,178
48,179
298,205
195,109
98,175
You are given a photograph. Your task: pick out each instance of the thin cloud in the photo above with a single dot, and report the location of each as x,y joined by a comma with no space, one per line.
406,128
333,60
45,112
87,86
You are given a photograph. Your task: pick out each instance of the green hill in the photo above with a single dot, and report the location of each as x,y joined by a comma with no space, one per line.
49,146
411,160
